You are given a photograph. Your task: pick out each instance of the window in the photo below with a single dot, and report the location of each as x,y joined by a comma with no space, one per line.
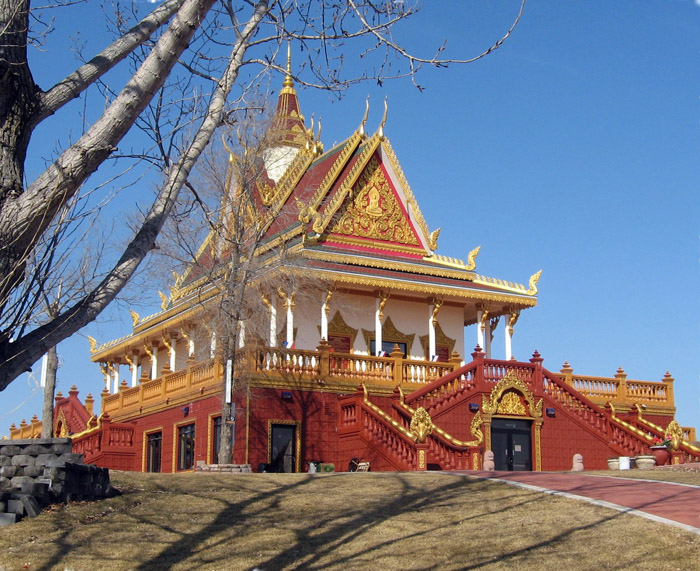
388,347
215,439
185,448
153,448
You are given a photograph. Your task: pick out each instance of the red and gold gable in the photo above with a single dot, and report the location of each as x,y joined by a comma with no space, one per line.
374,216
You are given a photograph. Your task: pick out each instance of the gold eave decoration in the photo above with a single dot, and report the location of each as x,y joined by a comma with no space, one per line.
509,286
433,238
362,261
397,284
492,404
532,286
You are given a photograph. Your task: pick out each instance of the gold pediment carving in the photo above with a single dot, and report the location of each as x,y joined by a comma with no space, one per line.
337,326
505,398
440,339
373,211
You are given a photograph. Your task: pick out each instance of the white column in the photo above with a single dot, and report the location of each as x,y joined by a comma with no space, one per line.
479,331
487,338
273,325
154,361
241,334
115,378
509,327
212,345
325,310
190,347
290,322
377,327
134,370
104,367
431,332
173,354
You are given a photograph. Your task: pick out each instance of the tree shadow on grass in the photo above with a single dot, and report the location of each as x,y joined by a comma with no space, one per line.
315,544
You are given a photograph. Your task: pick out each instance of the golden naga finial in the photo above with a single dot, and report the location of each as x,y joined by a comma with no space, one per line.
471,258
93,344
163,300
421,425
310,130
534,278
231,155
674,433
432,239
135,318
386,112
364,119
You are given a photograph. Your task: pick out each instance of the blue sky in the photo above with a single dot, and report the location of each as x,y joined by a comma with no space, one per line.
574,148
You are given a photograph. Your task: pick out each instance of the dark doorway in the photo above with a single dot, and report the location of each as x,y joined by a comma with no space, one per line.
511,444
153,451
282,448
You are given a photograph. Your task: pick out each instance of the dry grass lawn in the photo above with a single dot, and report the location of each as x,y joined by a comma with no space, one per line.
384,521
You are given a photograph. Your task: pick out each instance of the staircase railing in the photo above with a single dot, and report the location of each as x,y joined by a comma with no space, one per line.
358,417
621,438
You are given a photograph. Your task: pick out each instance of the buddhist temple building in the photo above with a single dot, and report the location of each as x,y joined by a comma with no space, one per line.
354,342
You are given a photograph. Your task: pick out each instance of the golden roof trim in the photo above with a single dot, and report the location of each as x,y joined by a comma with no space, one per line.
340,161
503,284
339,197
428,289
410,198
385,264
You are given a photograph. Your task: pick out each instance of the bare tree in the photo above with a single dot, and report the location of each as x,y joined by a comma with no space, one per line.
181,46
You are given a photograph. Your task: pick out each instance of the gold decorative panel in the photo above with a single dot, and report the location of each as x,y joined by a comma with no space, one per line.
510,403
373,211
511,385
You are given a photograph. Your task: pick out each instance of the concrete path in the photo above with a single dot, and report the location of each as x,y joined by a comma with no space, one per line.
674,504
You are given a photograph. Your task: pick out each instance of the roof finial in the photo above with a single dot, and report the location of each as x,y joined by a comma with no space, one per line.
386,111
364,119
288,82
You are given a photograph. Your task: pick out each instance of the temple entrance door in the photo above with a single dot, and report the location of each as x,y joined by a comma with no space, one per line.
511,444
282,453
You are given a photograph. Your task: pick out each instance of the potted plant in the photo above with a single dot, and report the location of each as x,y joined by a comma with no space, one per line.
660,450
645,462
614,463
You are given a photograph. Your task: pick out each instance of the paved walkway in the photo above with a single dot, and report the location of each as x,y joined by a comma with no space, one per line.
675,504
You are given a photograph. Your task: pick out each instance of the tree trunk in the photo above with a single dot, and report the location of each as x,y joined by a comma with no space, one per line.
49,390
18,100
225,449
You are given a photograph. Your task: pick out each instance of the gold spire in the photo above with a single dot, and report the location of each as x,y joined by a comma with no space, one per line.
288,85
